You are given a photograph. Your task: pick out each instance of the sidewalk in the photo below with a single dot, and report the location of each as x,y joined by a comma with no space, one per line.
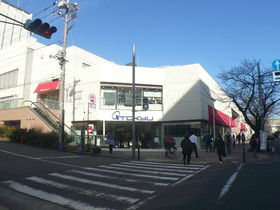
158,155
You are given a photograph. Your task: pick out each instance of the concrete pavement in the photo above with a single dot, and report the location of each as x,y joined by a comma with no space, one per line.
158,155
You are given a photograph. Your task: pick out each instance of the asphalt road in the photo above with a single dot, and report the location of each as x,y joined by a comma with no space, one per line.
34,178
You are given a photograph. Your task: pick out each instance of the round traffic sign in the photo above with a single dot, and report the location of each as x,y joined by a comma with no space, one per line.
276,64
92,98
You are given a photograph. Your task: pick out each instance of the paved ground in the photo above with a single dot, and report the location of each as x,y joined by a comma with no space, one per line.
237,155
156,155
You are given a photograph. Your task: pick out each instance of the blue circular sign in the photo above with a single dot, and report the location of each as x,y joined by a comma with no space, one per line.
276,64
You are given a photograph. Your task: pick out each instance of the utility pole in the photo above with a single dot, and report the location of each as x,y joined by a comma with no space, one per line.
69,8
133,103
262,135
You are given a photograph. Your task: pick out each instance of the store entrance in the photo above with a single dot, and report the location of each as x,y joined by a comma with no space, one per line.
144,132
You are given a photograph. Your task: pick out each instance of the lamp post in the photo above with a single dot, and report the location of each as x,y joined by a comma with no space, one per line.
133,103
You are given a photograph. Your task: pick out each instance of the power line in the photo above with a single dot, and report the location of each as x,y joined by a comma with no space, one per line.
36,14
29,52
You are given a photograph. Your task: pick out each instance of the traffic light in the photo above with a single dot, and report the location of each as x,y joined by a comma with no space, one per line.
276,76
42,29
145,103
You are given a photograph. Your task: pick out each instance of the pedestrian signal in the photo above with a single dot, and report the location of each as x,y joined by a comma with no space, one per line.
145,103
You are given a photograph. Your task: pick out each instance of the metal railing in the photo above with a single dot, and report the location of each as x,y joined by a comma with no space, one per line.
53,118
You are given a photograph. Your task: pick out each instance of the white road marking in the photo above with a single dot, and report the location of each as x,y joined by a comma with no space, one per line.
163,168
131,174
188,176
168,164
62,157
15,154
103,184
53,198
122,179
230,181
107,196
143,171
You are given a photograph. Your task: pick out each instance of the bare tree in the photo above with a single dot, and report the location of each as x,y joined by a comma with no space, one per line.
240,83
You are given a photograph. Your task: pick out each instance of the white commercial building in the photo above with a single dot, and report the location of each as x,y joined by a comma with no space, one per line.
170,100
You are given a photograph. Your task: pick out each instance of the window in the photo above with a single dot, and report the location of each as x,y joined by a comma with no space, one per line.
9,79
110,98
119,96
108,94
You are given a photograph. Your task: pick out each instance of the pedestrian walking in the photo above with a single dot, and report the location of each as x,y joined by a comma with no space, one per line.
156,142
193,139
186,149
111,141
233,141
243,138
220,145
228,142
238,137
208,140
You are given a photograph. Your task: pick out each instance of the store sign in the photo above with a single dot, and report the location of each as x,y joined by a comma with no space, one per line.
118,116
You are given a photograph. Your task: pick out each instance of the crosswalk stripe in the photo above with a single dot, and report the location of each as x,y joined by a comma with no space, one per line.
107,196
131,174
122,179
167,164
143,171
147,167
103,184
53,198
167,167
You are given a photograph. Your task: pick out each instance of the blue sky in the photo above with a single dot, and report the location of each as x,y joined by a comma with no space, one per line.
215,33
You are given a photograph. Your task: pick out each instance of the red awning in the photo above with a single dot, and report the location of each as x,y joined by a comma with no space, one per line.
47,86
243,127
220,117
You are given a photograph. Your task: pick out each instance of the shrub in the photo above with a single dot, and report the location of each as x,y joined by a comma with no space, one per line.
34,137
5,131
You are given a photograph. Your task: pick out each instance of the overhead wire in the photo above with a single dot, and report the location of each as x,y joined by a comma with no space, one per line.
25,53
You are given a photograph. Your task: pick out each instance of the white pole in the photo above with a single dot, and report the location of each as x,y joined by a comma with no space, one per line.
133,103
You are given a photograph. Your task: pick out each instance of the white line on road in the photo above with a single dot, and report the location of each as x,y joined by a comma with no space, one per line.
62,157
149,167
131,174
143,171
118,178
103,184
230,181
168,164
189,176
82,191
53,198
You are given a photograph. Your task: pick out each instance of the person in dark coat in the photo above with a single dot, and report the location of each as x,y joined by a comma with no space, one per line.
220,145
208,139
186,149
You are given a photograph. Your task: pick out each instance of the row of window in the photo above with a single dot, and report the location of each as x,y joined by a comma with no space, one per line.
9,79
120,97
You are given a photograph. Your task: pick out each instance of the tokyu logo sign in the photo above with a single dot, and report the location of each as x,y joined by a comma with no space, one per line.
117,116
